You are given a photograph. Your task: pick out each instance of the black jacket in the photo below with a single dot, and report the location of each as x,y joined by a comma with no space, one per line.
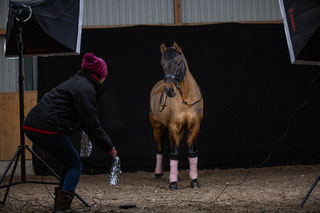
71,103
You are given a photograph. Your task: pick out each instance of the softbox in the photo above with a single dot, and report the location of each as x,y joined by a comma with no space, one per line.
301,21
53,28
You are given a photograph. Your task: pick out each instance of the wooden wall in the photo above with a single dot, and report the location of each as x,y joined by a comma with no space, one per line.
9,122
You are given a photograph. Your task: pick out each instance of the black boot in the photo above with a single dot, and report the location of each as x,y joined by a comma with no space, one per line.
63,202
56,189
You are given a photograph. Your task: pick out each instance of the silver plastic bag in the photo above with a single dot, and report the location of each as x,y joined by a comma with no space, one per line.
86,146
115,171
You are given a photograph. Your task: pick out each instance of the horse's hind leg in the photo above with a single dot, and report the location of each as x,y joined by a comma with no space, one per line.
158,132
194,128
175,136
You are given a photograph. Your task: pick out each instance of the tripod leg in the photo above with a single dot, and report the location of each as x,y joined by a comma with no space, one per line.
310,190
83,201
11,176
10,163
43,162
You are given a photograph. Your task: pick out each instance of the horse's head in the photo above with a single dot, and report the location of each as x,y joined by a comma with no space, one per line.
174,67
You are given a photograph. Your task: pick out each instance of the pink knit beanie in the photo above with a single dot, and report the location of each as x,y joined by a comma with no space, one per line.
94,65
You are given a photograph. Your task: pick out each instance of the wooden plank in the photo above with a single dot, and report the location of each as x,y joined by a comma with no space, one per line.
2,32
184,24
177,22
10,124
239,22
177,12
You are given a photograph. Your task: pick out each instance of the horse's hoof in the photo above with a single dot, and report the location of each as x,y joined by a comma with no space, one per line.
173,186
195,184
158,176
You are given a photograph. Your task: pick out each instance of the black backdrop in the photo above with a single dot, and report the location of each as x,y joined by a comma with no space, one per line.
249,86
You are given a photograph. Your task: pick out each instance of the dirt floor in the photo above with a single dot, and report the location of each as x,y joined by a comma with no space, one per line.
272,189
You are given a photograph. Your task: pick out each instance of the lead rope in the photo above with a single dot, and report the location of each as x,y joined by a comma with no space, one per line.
165,101
183,101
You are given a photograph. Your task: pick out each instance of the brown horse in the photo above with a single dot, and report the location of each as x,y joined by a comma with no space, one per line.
176,104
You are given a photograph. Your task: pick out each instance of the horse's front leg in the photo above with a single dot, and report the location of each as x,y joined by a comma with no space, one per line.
158,132
193,153
175,136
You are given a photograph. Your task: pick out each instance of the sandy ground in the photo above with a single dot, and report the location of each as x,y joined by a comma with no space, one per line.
272,189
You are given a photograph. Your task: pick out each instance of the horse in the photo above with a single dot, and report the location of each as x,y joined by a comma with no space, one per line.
176,105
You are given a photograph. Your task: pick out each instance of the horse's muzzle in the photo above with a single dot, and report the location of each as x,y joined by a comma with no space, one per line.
171,92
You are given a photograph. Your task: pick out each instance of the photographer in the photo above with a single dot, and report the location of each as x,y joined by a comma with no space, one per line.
71,103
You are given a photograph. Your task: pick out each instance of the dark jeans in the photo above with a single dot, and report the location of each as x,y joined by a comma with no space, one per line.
60,146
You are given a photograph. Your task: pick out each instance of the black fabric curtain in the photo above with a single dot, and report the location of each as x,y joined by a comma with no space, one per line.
249,86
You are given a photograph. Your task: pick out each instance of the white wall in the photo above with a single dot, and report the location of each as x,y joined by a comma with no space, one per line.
197,11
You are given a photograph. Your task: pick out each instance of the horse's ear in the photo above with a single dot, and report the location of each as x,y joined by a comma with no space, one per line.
162,48
177,48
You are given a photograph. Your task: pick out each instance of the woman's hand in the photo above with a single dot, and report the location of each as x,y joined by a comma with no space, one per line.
113,152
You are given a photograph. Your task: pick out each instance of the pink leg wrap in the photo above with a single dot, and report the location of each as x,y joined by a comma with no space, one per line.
193,173
158,169
173,177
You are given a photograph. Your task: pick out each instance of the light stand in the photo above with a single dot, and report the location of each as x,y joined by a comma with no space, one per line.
301,21
310,190
23,13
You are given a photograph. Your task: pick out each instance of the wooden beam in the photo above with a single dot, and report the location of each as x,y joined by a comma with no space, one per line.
184,24
2,32
10,124
237,22
177,12
177,22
